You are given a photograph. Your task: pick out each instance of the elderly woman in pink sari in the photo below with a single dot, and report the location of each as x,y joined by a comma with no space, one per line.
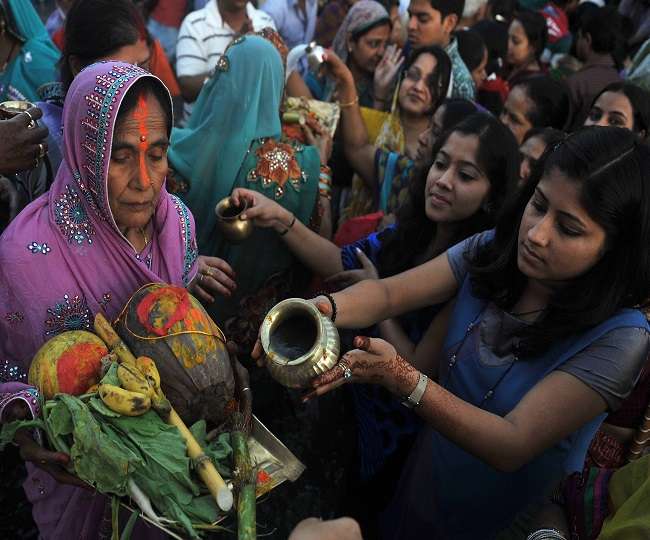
106,227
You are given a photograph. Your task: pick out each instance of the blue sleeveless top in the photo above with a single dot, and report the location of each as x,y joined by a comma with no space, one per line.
448,493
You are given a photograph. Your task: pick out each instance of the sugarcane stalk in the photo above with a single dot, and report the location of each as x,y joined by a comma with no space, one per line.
245,480
204,466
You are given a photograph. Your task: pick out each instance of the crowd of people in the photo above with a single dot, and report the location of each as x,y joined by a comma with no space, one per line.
478,222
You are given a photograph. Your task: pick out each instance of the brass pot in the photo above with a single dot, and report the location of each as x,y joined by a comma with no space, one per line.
9,109
234,229
299,342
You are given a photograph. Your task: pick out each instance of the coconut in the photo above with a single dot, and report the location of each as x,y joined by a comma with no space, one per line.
168,324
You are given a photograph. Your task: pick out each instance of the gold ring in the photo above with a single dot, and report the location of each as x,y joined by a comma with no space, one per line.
201,278
208,273
32,122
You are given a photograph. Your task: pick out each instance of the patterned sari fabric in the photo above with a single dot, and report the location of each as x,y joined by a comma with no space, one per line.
237,116
63,259
32,74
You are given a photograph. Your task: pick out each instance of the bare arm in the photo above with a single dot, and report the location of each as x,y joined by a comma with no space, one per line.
191,86
317,253
371,301
554,408
358,150
296,87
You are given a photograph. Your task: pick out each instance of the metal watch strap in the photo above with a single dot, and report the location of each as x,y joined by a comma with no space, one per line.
416,396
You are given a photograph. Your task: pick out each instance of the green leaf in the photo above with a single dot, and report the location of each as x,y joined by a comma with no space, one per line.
97,405
99,459
60,420
111,376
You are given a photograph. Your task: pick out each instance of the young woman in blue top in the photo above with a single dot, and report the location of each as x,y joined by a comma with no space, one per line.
475,166
543,340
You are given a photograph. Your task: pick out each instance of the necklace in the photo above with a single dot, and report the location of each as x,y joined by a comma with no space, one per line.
454,357
144,237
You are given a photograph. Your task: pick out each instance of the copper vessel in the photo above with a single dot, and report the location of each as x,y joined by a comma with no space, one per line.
234,229
299,342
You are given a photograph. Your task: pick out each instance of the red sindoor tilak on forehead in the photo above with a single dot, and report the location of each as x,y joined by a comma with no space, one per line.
140,114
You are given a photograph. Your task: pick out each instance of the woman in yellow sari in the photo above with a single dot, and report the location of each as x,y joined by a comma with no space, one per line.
422,88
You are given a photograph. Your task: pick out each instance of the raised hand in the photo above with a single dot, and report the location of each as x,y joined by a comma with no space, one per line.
386,73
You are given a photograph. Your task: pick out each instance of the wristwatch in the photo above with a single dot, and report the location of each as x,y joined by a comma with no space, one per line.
416,396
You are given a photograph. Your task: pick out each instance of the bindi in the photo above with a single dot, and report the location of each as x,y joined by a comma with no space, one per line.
140,115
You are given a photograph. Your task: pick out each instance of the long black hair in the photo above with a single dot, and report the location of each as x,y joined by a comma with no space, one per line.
612,167
97,28
498,158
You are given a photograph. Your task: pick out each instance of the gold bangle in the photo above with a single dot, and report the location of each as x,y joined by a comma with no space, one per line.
350,104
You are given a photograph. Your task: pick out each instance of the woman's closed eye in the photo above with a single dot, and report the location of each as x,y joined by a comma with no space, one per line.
539,206
440,163
121,156
467,175
568,230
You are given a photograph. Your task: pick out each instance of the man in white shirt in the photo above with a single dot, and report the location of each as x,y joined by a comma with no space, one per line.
204,36
294,19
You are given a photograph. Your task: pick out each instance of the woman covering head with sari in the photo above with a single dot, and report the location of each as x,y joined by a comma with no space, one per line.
232,140
360,42
28,68
106,227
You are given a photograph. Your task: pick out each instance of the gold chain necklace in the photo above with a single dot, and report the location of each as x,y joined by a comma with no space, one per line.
144,237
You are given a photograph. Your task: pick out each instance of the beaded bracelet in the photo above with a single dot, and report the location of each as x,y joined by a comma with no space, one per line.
325,182
332,303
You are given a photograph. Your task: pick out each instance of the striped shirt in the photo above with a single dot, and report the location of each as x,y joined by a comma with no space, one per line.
203,38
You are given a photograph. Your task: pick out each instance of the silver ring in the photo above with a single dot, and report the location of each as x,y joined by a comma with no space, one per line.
41,150
200,278
246,388
32,122
347,372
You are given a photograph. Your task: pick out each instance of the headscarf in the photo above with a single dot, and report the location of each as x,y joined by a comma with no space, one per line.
239,104
362,15
22,20
32,75
63,258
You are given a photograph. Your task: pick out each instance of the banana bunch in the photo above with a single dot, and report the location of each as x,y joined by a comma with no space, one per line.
139,389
